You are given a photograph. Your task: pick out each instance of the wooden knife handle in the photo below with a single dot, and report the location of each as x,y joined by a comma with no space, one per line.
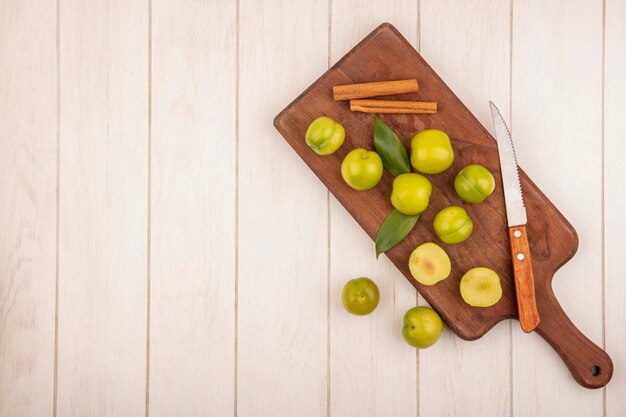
524,278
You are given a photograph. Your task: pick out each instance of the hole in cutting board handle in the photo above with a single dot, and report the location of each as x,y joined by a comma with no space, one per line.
595,370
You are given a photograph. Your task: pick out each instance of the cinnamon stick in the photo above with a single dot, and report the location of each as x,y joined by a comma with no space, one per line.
381,88
393,106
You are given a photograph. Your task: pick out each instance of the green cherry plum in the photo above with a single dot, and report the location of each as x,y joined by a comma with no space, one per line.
360,296
362,169
422,327
474,183
453,225
431,151
410,193
325,135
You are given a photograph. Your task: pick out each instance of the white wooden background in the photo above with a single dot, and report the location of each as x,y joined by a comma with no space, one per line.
163,252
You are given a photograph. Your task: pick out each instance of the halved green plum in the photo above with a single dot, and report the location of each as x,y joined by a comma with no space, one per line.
480,287
429,264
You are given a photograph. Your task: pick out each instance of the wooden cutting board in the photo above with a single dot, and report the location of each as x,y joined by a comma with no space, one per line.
385,55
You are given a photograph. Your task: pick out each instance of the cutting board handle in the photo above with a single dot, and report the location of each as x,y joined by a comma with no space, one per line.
590,366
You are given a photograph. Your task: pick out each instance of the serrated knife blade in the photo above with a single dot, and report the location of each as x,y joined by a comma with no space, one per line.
516,219
513,197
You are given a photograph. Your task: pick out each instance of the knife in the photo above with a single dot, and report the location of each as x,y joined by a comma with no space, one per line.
516,219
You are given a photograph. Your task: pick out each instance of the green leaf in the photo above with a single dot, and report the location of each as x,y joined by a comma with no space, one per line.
390,149
394,229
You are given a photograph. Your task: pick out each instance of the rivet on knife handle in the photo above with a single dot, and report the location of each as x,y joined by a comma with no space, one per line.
524,278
